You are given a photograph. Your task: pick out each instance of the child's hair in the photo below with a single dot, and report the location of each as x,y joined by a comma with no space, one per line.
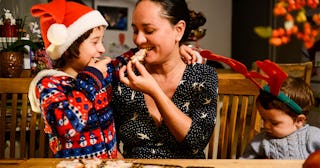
297,90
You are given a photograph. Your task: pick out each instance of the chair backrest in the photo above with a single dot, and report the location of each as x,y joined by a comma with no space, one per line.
238,120
301,70
21,130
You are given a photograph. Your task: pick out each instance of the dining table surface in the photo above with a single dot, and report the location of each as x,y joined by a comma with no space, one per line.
168,163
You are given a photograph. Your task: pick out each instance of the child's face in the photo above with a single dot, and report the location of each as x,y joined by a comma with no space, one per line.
277,123
90,48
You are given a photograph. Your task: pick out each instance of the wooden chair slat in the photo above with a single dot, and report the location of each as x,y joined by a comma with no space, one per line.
3,125
242,122
239,120
23,127
19,125
232,126
300,70
13,124
223,123
32,147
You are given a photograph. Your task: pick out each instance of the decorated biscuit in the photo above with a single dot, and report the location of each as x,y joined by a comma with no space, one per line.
139,56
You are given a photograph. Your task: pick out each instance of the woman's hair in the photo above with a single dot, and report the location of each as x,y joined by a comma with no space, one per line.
176,10
73,50
297,90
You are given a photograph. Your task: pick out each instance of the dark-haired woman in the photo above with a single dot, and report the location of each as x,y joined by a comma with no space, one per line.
163,107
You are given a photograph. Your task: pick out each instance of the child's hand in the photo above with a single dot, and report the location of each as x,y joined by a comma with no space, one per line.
101,65
188,54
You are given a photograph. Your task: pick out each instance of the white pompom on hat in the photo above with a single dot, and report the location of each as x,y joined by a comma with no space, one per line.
62,22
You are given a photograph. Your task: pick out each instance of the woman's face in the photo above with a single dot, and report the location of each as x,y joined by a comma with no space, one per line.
153,31
90,48
277,123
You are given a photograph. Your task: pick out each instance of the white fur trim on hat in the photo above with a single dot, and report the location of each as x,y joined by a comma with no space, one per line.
75,30
57,34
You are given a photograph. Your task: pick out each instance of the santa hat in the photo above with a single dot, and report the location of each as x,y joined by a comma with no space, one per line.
62,22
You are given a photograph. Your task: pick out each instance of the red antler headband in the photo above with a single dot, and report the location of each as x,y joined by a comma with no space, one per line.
274,76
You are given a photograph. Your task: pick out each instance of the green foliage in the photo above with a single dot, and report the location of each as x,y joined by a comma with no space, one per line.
19,45
263,32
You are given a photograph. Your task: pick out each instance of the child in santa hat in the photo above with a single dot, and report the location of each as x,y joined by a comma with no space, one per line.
74,98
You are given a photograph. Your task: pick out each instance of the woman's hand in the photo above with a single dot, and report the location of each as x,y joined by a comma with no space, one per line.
101,65
144,82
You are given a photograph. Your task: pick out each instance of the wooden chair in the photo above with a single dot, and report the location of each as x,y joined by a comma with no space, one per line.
301,70
21,130
237,120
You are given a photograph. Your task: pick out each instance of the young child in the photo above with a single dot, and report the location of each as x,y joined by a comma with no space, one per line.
286,134
284,105
74,99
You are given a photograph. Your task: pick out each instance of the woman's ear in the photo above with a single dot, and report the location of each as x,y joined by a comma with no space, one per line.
180,27
301,120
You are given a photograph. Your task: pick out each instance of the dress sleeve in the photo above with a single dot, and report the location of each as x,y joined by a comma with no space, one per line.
203,113
66,102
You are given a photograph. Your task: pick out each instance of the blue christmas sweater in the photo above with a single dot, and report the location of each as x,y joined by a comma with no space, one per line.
76,111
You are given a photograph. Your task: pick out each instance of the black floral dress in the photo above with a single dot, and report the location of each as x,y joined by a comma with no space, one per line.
196,96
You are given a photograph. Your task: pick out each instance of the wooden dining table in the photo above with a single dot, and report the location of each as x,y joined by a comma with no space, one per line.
166,163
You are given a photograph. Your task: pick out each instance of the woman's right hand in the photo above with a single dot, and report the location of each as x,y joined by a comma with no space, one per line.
143,82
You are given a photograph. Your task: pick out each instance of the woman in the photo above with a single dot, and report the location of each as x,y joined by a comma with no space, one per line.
164,108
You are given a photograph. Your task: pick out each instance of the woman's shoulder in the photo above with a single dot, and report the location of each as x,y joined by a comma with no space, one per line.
202,69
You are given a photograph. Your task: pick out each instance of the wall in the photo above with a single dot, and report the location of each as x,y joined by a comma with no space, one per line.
217,12
218,25
112,36
19,8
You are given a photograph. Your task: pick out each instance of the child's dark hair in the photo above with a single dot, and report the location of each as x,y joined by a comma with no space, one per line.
297,90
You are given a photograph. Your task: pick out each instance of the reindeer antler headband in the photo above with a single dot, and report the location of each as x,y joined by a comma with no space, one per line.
274,76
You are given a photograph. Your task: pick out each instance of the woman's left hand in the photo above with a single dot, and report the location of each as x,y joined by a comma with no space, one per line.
143,82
